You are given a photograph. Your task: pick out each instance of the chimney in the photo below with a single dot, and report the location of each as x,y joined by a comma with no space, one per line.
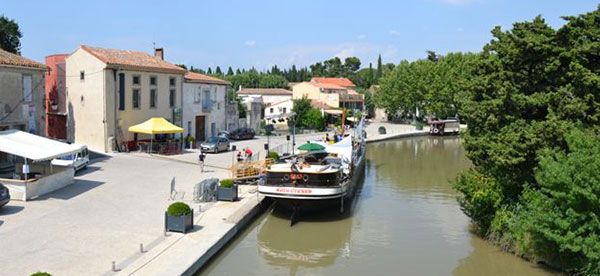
159,52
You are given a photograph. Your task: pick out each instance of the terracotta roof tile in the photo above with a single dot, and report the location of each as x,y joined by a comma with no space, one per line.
201,78
266,91
8,58
133,59
345,82
327,85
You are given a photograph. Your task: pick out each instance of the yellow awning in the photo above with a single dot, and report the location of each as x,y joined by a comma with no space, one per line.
156,126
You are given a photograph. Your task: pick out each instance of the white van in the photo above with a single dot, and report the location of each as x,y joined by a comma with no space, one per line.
78,160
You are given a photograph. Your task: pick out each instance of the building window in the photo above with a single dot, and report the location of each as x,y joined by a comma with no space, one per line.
136,98
172,98
198,96
271,110
172,81
152,98
152,80
284,110
81,75
27,89
136,80
206,101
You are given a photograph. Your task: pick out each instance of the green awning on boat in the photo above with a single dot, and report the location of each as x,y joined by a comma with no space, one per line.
311,147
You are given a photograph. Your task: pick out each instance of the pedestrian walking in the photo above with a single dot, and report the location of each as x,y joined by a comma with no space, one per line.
201,159
248,152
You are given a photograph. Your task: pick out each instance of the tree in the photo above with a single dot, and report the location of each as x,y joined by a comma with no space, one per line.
530,86
218,71
182,66
317,69
229,71
432,56
10,35
351,65
272,81
209,71
569,186
301,107
379,72
237,71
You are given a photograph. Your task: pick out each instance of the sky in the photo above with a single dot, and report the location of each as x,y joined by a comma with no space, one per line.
244,34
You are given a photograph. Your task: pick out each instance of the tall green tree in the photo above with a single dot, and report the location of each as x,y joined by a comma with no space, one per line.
209,71
229,71
218,71
531,86
10,35
379,72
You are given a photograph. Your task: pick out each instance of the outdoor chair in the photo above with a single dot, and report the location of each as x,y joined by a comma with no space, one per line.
174,193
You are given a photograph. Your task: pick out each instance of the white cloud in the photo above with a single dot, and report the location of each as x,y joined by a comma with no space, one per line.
249,43
395,32
361,36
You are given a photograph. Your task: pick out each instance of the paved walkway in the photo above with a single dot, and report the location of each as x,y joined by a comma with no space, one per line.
116,204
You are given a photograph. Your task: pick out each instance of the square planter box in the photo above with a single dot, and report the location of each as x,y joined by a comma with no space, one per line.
228,194
179,224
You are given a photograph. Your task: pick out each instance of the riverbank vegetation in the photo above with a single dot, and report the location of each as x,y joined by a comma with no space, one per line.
531,100
532,105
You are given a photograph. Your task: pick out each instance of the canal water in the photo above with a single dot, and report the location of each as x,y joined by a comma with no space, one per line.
404,221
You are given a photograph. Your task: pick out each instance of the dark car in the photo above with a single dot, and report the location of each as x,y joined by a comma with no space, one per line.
242,133
4,195
224,134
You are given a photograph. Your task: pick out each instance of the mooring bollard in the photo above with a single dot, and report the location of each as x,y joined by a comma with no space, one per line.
114,267
142,248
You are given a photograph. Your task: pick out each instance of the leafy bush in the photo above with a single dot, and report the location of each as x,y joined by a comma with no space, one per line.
568,236
178,209
382,130
273,155
226,183
41,274
481,198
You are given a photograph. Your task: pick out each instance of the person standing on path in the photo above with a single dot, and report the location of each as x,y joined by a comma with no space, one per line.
201,158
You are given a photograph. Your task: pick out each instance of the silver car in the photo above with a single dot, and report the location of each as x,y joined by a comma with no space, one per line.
215,144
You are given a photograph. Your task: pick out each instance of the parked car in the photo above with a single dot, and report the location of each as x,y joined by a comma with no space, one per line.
4,195
215,144
242,133
78,161
224,134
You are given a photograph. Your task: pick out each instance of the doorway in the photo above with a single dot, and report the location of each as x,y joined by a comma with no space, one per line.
200,121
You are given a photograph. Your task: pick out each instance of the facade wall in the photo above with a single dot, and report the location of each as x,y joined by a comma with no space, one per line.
278,108
56,109
314,93
270,99
132,116
86,100
24,114
94,111
217,114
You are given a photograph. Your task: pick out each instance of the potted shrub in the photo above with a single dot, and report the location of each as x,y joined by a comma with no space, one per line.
189,139
382,130
179,217
273,155
227,190
419,125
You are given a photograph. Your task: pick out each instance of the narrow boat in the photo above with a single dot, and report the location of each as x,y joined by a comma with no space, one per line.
324,176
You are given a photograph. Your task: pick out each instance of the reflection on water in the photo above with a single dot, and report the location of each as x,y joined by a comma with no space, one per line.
404,221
